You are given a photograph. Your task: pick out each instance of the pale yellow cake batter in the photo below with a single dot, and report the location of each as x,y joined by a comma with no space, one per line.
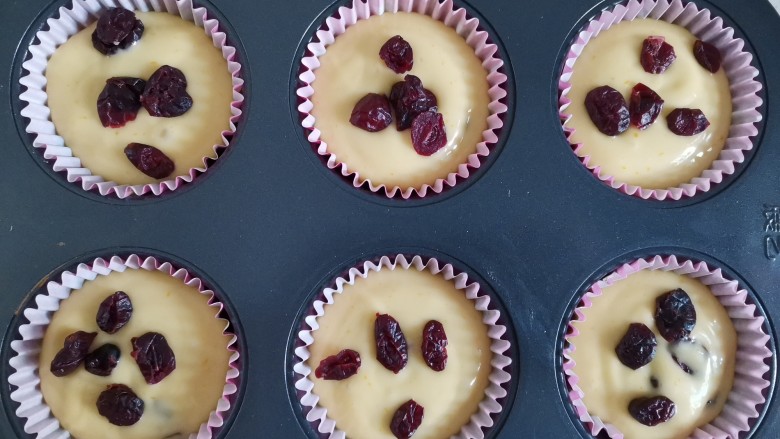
77,73
363,405
609,385
174,407
446,64
654,158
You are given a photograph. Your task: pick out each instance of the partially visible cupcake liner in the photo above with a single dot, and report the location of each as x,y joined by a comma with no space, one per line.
498,378
444,11
67,23
40,422
745,399
736,64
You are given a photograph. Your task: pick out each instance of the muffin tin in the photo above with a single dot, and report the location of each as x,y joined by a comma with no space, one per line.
268,225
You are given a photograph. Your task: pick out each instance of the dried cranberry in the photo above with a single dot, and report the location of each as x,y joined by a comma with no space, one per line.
120,405
154,357
654,382
657,55
409,98
707,55
397,54
689,345
687,121
685,368
637,347
149,160
166,94
434,345
102,360
391,349
608,110
73,352
652,411
407,419
675,315
114,312
428,134
372,113
340,366
645,106
117,28
120,101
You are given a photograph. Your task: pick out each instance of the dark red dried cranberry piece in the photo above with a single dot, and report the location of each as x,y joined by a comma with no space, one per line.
409,99
652,411
397,54
407,419
154,357
117,28
637,347
73,352
657,55
675,315
340,366
149,160
687,121
114,312
707,55
434,345
120,405
120,101
428,134
166,94
372,113
391,349
685,368
673,349
654,382
102,360
608,110
644,107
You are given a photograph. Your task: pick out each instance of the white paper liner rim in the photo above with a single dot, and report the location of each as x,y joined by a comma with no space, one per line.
444,11
746,396
40,422
499,345
736,64
66,23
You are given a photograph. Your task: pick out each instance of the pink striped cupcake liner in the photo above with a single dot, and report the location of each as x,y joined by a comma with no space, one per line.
67,23
499,376
746,398
39,420
444,11
736,64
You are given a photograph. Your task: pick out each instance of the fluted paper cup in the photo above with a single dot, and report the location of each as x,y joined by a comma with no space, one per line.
741,74
499,376
746,397
39,420
444,11
64,24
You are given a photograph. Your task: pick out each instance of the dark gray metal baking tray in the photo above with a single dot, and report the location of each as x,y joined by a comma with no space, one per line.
268,224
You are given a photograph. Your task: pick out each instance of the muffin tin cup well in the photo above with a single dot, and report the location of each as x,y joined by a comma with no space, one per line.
499,376
68,22
446,12
747,394
39,421
743,85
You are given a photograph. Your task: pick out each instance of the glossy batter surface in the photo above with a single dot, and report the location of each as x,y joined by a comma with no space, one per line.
363,404
77,73
446,64
654,158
